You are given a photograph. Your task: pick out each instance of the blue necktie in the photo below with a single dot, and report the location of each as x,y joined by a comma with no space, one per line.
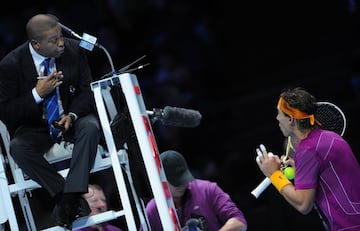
51,105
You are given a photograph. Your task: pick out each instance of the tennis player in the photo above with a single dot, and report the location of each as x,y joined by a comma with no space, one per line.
327,172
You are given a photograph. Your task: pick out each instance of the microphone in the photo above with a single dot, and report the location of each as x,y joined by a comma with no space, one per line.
174,116
88,42
68,30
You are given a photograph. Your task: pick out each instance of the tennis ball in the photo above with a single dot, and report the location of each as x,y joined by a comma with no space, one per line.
289,173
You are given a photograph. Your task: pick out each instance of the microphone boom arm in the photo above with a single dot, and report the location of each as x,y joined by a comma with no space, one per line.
108,57
91,40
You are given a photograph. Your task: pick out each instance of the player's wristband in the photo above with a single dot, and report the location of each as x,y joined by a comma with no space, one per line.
279,180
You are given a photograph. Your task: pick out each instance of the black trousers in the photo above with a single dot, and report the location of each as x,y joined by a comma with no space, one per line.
28,145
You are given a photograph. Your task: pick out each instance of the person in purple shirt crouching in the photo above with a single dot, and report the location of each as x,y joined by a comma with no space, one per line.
199,203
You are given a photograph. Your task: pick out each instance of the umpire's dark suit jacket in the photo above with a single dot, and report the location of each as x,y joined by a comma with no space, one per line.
18,77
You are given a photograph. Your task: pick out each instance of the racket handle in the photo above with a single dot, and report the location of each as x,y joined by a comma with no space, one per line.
261,187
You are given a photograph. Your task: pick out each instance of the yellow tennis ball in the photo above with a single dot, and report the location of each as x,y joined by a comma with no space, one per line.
289,173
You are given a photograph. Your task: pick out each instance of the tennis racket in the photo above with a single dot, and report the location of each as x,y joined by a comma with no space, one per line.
330,117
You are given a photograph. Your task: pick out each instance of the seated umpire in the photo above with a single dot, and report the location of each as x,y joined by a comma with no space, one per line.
47,79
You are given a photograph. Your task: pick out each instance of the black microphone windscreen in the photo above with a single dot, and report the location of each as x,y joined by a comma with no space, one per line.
180,117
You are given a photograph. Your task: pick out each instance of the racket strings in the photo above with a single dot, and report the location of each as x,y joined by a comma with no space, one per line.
330,118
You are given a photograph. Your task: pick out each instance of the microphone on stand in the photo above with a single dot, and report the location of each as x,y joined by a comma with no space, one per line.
174,116
88,42
68,30
122,128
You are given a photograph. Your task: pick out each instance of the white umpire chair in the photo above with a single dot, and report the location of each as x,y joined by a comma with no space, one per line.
22,186
18,185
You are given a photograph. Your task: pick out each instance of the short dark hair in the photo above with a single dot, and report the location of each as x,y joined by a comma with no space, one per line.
301,99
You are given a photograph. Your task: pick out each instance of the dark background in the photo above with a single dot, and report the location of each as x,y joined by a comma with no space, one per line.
229,61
